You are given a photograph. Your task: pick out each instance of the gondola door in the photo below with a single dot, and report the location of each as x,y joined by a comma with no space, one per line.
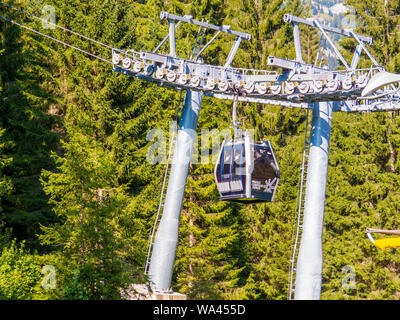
265,174
230,172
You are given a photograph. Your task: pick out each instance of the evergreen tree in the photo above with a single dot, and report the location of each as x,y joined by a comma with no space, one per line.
309,39
380,20
90,205
104,194
28,134
20,274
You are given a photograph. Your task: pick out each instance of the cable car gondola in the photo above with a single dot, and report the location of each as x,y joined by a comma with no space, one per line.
246,172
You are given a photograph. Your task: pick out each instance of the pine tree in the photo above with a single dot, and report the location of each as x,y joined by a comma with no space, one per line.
27,131
90,205
380,20
309,39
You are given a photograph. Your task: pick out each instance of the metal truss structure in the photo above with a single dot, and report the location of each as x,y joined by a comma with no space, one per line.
297,85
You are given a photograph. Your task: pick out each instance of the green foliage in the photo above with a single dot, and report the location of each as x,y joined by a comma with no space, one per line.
27,135
20,274
75,183
380,20
90,205
362,193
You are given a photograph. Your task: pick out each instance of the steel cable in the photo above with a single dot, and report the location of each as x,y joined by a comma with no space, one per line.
56,25
57,40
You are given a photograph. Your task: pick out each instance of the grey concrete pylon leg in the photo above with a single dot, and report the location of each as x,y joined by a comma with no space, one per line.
310,259
166,239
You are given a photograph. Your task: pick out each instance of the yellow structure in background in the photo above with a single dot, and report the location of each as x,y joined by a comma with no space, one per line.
384,242
387,243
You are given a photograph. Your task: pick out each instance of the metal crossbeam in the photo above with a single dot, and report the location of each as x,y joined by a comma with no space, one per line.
295,66
165,39
206,45
311,22
297,42
297,84
361,44
227,29
232,53
338,54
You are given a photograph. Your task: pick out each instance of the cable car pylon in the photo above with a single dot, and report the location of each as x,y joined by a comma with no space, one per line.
160,204
298,219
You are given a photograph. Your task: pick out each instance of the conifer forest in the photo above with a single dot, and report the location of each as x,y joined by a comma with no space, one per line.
78,196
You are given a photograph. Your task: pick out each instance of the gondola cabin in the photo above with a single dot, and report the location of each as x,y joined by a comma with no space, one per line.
246,172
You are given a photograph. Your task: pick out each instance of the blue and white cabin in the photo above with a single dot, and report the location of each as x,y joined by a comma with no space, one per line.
246,172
